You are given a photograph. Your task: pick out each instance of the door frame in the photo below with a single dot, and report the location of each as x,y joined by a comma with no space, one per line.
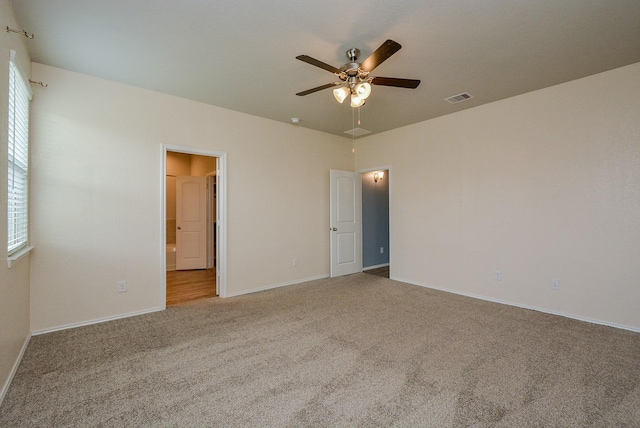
221,214
211,179
390,175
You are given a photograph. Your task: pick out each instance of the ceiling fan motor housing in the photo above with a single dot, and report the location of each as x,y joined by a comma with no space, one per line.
351,69
353,54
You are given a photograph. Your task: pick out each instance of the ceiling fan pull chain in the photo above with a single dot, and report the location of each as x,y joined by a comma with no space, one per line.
353,134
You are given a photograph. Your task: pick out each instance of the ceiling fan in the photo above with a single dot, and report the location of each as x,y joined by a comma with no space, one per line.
355,79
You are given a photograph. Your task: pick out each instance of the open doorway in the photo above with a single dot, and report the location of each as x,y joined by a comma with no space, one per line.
375,223
193,214
359,223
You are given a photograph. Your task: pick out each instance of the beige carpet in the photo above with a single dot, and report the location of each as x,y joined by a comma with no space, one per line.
353,351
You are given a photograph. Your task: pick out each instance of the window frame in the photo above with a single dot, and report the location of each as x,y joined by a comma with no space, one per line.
19,96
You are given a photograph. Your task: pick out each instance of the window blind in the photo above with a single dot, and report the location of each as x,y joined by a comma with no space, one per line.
18,160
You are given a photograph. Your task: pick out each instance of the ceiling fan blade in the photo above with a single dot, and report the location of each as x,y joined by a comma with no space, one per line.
318,88
381,54
392,81
318,63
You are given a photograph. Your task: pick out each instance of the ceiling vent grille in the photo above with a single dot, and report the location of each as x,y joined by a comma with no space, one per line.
455,99
357,132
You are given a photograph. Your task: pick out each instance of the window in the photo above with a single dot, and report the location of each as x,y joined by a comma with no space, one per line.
18,159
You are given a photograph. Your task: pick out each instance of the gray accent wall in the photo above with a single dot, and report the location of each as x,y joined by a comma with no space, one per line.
375,220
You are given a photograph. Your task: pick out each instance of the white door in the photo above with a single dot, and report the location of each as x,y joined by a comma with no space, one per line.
346,222
191,223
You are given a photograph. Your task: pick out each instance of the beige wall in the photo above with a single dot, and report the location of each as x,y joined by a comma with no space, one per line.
178,164
187,164
202,165
541,186
14,281
97,181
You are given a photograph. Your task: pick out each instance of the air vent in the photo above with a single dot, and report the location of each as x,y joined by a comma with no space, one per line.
459,98
357,132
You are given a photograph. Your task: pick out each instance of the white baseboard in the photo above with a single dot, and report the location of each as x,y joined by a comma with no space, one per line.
375,267
269,287
523,306
147,311
14,369
96,321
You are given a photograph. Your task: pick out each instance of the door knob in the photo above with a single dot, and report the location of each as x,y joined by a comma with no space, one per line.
179,228
335,229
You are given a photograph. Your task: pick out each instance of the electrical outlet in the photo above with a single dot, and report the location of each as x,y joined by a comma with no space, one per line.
295,262
122,286
497,275
555,284
381,250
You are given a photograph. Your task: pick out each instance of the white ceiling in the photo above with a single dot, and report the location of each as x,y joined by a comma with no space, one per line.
240,54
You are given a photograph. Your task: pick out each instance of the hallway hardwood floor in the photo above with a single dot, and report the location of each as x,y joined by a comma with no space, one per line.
383,272
187,285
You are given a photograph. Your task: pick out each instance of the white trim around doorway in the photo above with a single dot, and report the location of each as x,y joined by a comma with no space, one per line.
221,214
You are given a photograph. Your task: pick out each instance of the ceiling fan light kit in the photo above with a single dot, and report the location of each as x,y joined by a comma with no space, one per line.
363,90
356,101
354,76
341,94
